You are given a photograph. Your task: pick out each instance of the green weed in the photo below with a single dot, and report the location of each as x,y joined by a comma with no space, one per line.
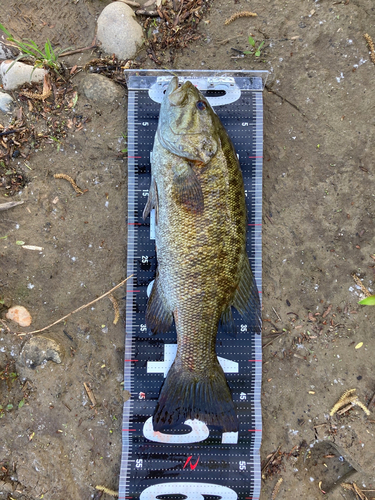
47,58
255,48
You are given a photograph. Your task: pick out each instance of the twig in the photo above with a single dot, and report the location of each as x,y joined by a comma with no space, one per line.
79,309
361,285
5,325
284,99
353,487
274,310
270,460
9,204
77,51
13,131
347,399
346,408
372,400
69,179
222,42
238,15
270,342
90,394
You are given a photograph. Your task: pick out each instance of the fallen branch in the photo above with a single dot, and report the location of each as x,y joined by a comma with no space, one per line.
77,310
77,51
9,204
90,394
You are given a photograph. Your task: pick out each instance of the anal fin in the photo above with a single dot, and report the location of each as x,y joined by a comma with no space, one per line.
158,315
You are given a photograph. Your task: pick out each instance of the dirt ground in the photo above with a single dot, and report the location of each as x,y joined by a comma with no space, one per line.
319,132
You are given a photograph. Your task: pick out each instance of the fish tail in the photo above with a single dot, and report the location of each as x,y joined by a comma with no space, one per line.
188,395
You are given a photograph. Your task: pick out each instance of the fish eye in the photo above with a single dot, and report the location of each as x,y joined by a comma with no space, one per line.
201,105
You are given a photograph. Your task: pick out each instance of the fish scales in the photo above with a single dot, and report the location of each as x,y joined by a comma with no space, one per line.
203,269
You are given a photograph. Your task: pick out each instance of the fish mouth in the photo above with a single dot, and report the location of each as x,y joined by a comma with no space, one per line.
179,95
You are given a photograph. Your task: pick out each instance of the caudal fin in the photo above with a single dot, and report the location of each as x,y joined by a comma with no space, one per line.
188,395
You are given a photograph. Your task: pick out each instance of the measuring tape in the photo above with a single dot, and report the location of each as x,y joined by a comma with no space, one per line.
194,462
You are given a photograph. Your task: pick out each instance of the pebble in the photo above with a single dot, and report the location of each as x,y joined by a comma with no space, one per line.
118,31
6,103
19,74
101,89
6,52
20,315
39,349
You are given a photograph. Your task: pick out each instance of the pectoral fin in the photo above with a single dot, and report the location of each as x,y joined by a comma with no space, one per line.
152,201
246,299
158,315
187,190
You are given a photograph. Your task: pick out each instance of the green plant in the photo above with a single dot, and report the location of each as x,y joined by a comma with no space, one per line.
253,44
368,301
125,150
47,59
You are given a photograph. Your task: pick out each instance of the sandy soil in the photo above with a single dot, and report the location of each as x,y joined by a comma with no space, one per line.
318,230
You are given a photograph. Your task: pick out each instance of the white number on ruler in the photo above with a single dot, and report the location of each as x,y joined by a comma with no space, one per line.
192,491
243,327
242,465
245,124
145,124
145,260
145,192
143,328
139,463
199,432
243,396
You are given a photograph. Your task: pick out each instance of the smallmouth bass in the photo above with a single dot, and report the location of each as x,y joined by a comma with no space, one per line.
203,269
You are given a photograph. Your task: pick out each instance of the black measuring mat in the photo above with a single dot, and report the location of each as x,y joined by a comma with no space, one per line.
194,462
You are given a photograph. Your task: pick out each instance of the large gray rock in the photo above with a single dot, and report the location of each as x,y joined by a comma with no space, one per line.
17,75
118,31
39,349
101,89
6,103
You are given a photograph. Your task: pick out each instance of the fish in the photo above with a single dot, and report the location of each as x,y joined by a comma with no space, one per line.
203,269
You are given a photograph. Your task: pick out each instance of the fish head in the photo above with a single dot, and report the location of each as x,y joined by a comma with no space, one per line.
187,123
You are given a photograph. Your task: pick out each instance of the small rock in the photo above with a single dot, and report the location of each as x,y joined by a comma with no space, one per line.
118,31
100,89
20,315
6,103
39,349
6,52
20,73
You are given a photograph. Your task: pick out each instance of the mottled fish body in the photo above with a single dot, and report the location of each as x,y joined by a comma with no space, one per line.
203,269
